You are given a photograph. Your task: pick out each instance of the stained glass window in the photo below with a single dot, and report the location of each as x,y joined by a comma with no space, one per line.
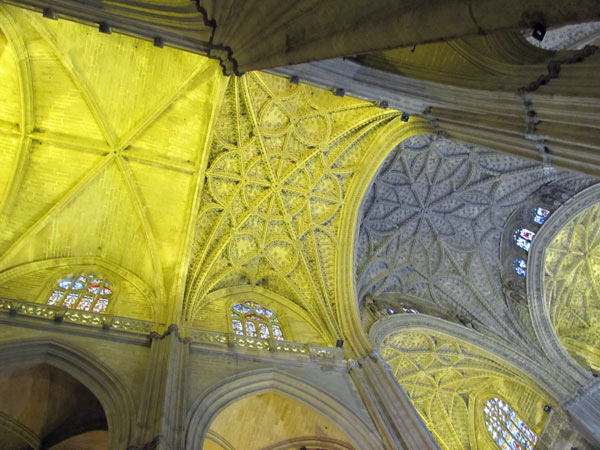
85,292
252,319
540,215
520,267
523,238
506,428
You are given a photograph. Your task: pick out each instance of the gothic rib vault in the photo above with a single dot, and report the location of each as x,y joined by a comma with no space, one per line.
190,190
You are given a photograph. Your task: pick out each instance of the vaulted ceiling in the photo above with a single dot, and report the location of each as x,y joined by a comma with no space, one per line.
169,177
432,222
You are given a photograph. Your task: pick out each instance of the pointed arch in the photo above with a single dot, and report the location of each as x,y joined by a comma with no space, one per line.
346,293
539,304
99,379
549,378
207,407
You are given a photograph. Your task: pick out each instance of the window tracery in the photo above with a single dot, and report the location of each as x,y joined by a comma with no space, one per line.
506,428
84,292
253,320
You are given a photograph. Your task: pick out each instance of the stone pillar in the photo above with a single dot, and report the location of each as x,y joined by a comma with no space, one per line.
393,414
584,409
162,409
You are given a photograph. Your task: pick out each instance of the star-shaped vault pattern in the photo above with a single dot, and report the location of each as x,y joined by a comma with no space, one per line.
432,222
572,285
280,161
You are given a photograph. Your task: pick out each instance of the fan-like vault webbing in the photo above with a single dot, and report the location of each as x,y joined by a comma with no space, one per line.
280,163
572,285
431,225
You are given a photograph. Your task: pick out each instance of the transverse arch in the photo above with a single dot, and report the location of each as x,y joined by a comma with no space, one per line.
208,406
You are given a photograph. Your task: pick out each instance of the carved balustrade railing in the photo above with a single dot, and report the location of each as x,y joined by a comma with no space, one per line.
194,335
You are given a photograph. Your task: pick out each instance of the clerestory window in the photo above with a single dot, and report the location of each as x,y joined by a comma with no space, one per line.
85,292
506,428
524,238
252,319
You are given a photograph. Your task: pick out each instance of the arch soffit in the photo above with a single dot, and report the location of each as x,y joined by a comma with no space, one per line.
9,28
551,383
538,304
387,140
68,262
233,295
207,407
99,379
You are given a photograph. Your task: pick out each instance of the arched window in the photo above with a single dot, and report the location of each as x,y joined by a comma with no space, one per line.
253,320
540,215
506,427
523,238
520,267
86,292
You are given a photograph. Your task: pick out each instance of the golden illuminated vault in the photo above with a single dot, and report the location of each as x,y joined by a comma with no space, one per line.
193,192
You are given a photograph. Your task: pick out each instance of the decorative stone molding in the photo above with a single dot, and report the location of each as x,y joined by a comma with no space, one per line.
59,314
27,435
232,340
99,379
538,303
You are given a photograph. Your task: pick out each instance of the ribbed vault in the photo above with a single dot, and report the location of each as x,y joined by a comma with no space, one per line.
102,140
448,381
432,221
280,161
572,285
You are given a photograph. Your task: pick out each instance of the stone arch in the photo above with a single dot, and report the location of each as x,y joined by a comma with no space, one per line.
207,407
99,379
538,302
459,368
550,379
348,313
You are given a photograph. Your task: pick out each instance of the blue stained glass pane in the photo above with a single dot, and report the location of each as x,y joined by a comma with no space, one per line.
101,305
538,219
241,308
526,234
70,300
520,267
525,245
85,303
542,212
277,334
268,312
55,297
65,283
77,285
250,329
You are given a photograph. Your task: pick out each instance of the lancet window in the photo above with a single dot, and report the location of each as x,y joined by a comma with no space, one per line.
520,267
85,292
540,215
252,319
524,238
506,428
